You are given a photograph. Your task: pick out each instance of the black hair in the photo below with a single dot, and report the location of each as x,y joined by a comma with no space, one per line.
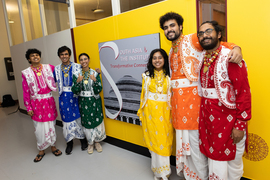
216,26
150,67
168,16
62,49
31,51
84,54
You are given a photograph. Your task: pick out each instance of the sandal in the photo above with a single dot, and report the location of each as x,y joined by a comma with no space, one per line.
39,156
56,152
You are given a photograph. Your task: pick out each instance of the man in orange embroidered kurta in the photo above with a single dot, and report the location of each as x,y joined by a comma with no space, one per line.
185,64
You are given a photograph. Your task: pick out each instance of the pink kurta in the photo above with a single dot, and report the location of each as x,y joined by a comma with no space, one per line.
44,109
216,120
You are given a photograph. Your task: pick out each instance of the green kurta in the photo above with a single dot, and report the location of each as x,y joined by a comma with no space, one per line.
90,106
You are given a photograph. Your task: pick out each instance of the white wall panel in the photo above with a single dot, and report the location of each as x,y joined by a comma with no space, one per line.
48,46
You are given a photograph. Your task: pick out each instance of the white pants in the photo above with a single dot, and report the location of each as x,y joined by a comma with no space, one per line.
228,170
95,135
73,130
191,164
45,134
160,165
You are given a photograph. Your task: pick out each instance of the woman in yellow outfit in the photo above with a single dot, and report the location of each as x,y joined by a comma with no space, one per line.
155,113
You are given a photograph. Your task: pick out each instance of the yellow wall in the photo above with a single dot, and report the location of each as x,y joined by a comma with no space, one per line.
138,22
249,27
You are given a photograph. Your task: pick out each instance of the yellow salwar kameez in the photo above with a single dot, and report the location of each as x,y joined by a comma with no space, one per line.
155,115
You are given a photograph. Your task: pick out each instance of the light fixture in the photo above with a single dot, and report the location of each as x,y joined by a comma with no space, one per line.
98,10
11,22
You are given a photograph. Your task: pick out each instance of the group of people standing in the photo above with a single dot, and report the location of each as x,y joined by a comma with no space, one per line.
201,90
79,101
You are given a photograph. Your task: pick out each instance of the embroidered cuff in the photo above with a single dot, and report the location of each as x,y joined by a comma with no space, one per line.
29,108
240,125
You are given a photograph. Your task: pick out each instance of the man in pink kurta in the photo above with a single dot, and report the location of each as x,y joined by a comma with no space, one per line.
37,83
225,106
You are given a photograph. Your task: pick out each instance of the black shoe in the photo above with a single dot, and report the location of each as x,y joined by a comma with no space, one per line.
84,144
69,147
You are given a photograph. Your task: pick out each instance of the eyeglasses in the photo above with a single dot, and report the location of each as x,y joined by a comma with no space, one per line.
207,32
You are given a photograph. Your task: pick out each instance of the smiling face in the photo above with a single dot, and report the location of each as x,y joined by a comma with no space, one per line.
34,59
84,61
158,61
65,57
172,30
208,37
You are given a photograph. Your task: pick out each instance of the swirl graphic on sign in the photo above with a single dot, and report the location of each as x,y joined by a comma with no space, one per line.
115,49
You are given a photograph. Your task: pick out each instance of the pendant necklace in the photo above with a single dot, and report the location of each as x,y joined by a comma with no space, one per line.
175,44
209,59
63,67
37,70
159,79
85,79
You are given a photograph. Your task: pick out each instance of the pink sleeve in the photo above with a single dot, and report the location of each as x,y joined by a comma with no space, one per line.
238,76
26,94
52,67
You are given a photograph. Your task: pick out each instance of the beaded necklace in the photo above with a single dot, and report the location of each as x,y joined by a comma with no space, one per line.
88,75
37,70
175,44
66,68
159,79
209,58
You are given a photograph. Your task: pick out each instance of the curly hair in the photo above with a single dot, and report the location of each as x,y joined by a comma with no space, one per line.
31,51
150,67
62,49
168,16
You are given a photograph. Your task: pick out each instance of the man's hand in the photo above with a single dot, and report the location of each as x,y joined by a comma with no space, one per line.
30,113
235,55
80,78
237,135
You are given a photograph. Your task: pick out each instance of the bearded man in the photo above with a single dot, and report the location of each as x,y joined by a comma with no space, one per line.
184,63
225,106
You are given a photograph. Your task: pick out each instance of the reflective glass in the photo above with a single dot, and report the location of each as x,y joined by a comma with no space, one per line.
14,21
32,19
88,11
57,18
127,5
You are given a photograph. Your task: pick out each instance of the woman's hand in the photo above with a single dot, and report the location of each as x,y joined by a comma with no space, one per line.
92,76
80,78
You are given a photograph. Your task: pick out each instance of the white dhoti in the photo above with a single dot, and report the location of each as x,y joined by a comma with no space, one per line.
160,165
228,170
45,134
190,162
73,130
96,134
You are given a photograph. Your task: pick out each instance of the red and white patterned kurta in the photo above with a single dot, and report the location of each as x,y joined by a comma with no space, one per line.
216,120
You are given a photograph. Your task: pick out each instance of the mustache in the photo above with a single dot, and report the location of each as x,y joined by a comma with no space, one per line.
170,32
206,38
